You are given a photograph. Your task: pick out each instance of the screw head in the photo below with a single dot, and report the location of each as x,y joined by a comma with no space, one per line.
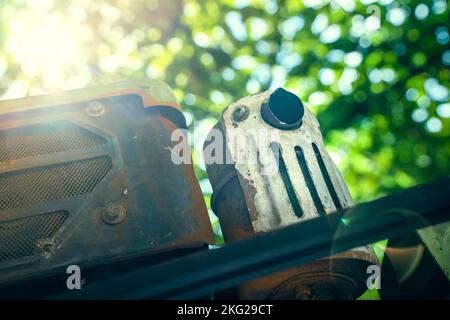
114,214
240,113
95,109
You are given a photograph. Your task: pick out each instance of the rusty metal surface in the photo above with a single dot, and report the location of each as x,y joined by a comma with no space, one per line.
161,205
249,201
341,276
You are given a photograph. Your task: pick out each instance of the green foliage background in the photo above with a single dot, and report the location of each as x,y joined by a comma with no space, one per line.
380,94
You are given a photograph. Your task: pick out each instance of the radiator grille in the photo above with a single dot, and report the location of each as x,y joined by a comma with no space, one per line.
18,238
33,186
45,138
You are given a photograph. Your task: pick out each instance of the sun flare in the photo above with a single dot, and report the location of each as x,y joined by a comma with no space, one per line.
46,45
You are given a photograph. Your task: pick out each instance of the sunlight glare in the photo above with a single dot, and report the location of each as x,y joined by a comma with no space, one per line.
45,45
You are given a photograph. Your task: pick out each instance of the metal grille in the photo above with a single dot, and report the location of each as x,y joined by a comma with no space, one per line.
19,238
29,187
45,138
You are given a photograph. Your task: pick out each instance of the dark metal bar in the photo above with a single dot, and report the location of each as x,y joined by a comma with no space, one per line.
213,270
